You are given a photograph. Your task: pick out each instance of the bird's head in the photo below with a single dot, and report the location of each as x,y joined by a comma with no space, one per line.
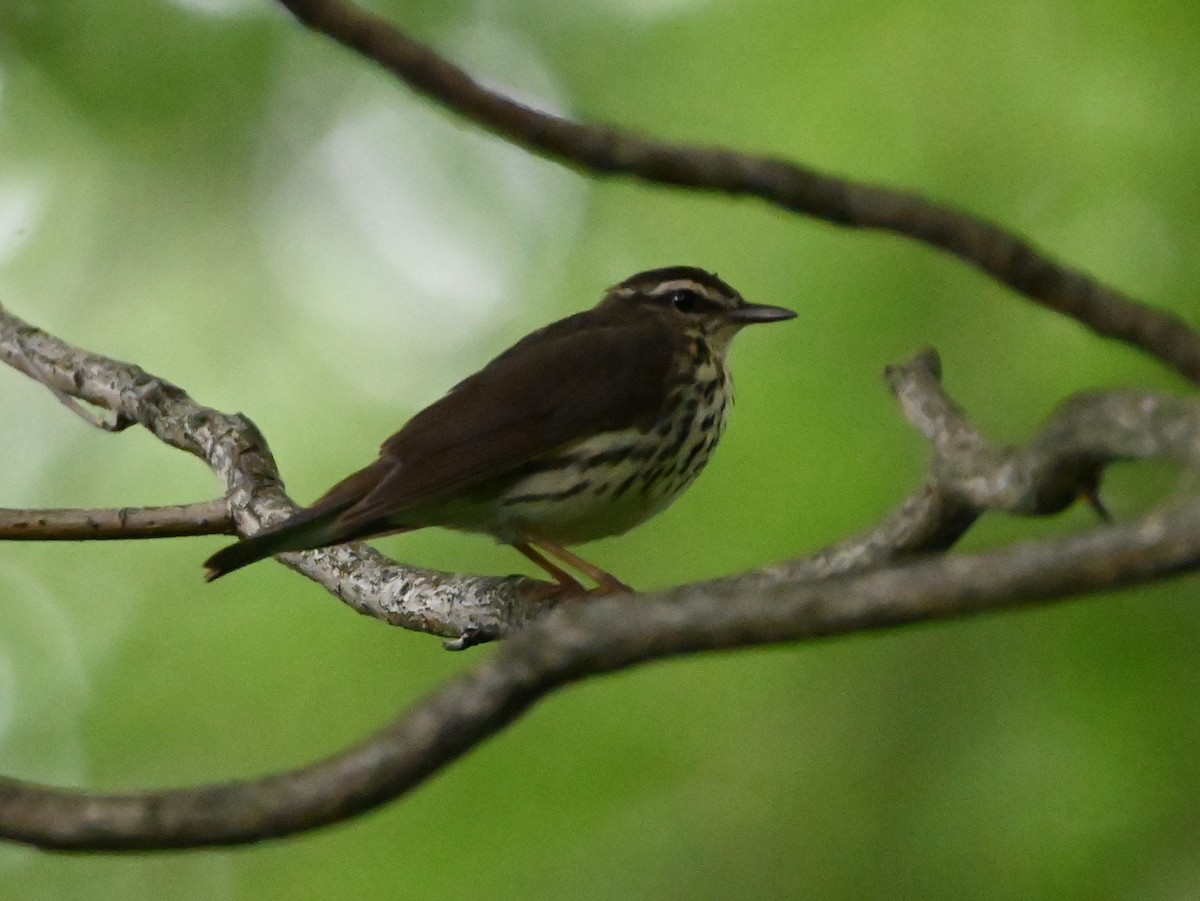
692,300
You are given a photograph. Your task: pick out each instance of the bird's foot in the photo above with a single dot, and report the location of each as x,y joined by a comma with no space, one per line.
608,584
572,590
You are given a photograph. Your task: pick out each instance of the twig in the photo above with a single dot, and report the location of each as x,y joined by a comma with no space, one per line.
204,518
15,357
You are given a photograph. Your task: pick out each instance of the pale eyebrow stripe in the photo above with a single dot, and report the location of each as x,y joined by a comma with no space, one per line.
685,284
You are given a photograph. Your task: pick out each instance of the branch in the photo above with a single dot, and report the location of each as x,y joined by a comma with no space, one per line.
606,150
206,518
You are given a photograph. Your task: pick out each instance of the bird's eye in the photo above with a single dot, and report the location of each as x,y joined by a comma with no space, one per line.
684,301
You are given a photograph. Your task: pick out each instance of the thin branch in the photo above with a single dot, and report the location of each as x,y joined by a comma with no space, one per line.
466,610
16,358
1063,462
606,150
204,518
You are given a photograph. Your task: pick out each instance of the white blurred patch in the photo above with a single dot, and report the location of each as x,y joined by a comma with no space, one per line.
404,233
36,435
223,8
645,10
42,683
49,658
22,202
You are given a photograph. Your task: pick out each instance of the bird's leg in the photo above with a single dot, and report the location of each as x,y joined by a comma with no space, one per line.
606,583
566,582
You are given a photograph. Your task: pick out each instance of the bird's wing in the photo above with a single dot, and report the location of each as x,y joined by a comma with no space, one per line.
566,381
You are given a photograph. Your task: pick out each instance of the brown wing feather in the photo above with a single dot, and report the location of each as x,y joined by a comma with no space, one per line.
571,378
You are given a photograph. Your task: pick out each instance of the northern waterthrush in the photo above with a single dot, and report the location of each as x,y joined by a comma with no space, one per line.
581,430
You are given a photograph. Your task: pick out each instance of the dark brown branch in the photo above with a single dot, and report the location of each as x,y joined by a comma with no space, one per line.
605,150
205,518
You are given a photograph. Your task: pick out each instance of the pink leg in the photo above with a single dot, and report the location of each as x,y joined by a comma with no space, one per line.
565,580
606,583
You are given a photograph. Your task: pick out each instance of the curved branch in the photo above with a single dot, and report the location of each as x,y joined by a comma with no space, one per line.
605,150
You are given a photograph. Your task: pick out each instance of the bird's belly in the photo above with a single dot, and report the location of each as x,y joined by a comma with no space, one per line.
607,484
590,514
576,522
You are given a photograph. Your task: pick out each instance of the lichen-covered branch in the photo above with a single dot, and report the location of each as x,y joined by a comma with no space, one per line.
465,609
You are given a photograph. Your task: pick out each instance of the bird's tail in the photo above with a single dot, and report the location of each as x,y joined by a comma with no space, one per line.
308,529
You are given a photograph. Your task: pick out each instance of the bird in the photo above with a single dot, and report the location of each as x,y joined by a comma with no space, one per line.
581,430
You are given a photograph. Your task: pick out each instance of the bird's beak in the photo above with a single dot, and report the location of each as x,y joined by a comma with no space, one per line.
749,313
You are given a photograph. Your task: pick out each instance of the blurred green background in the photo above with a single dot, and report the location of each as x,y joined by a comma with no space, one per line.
247,210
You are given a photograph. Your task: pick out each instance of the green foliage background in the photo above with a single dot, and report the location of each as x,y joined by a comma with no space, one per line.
250,212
